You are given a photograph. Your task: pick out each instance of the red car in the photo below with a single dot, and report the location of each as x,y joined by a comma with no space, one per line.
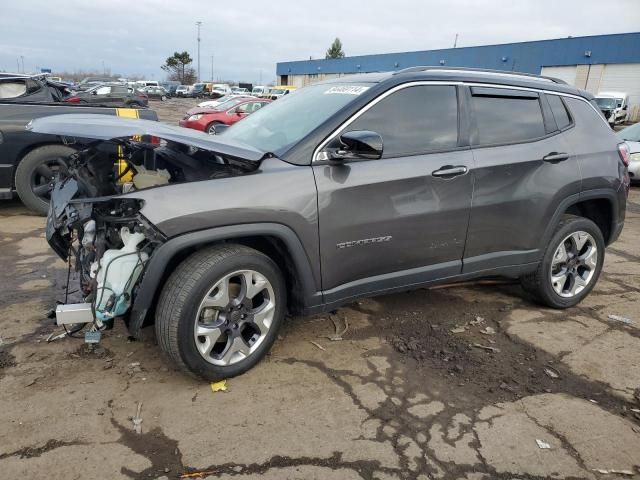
206,119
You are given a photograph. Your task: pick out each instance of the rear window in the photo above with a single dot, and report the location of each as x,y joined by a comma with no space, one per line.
507,119
559,111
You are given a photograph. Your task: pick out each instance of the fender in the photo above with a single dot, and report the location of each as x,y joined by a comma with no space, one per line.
602,193
158,262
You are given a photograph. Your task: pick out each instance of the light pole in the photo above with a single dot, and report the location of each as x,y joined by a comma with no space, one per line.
198,24
22,58
211,68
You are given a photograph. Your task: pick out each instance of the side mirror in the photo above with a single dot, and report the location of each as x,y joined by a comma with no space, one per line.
626,107
358,144
94,92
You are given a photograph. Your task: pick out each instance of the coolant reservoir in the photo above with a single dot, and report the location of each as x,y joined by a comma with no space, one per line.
150,178
117,275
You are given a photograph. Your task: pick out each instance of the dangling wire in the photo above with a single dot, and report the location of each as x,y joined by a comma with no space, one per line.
80,326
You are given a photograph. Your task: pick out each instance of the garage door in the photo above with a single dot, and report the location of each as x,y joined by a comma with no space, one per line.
622,78
568,74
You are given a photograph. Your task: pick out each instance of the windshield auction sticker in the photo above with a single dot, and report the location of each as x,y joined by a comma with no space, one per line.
347,90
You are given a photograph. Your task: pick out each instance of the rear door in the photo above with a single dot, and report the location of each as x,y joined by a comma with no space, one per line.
523,170
400,219
118,94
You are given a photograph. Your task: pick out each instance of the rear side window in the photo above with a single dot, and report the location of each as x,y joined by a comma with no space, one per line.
559,111
414,120
506,119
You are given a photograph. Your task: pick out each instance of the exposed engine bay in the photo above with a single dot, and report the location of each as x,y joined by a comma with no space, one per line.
95,223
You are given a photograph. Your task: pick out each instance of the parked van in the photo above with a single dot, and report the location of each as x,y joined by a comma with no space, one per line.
614,106
259,90
220,90
147,83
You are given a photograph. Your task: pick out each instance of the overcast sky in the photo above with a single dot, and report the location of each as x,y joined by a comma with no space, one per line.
248,37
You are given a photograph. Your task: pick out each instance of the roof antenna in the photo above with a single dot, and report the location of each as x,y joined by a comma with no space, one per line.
455,42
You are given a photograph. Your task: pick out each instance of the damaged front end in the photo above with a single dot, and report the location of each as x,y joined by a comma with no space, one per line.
95,220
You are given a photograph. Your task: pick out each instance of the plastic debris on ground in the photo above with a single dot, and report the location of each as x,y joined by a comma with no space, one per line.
137,420
543,445
197,474
618,318
316,344
487,348
220,386
614,471
337,336
551,372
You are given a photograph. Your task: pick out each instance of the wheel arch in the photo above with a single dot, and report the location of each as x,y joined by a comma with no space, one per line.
277,241
599,206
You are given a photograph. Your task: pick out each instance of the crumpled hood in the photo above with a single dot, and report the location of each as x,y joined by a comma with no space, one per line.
104,127
196,110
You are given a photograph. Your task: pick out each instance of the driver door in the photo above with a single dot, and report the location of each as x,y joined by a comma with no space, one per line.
400,219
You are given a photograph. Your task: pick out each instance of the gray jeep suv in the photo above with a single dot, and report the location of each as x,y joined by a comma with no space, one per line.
350,188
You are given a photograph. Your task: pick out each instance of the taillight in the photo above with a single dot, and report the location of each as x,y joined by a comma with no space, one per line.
625,153
72,99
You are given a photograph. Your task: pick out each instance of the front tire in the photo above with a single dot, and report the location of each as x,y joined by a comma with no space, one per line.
35,174
220,311
211,128
571,264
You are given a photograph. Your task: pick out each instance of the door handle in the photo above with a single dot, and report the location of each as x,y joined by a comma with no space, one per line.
450,171
555,157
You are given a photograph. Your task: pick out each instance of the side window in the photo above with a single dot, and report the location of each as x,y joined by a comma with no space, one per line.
119,90
414,120
504,119
559,111
103,91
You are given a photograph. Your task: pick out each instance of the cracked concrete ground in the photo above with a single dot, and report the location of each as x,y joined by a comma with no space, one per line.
403,395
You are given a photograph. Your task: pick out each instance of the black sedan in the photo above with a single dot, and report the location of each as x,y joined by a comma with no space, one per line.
111,95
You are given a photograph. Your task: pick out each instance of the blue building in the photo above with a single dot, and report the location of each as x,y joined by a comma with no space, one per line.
596,63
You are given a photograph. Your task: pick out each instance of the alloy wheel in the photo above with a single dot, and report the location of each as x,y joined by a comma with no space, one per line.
43,177
234,317
574,264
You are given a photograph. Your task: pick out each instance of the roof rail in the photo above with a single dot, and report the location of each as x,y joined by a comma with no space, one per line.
480,70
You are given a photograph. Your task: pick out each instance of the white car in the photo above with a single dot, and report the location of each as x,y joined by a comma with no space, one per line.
631,135
240,92
614,106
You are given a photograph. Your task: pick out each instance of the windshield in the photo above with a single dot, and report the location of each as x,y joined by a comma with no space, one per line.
631,134
228,103
291,118
606,102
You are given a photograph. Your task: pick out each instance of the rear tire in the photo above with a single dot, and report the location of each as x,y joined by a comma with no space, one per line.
198,333
570,268
32,174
